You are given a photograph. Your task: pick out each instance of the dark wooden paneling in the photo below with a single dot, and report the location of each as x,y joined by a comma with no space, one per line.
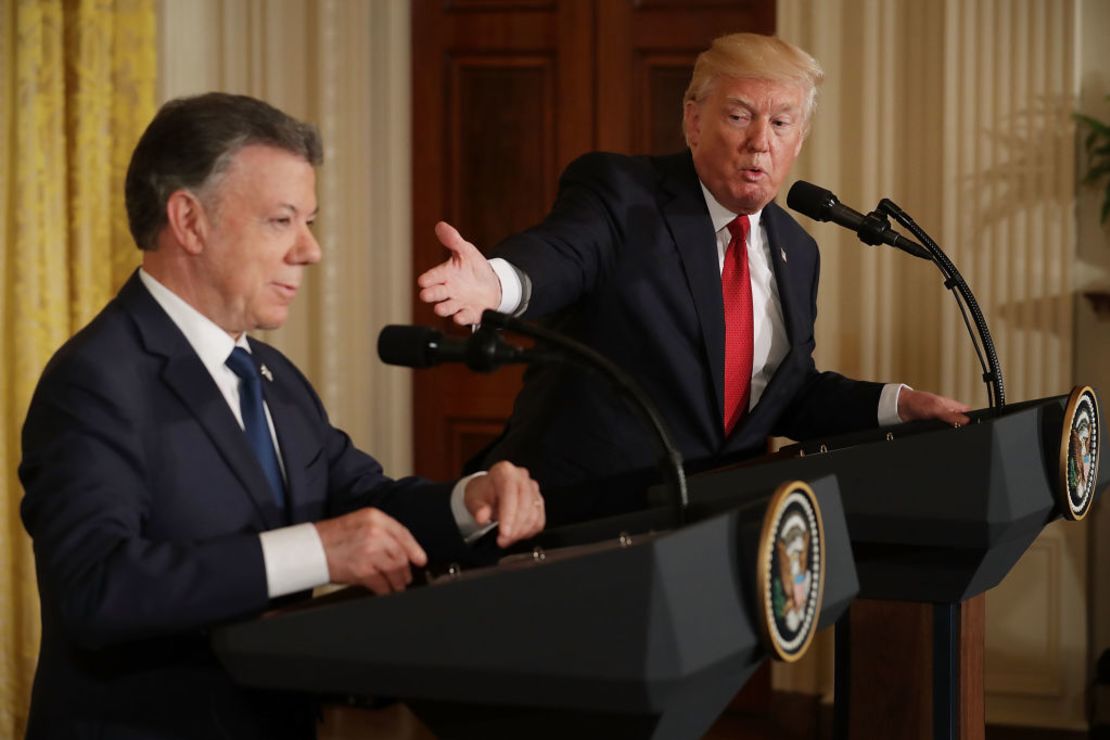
502,151
891,661
466,437
646,44
502,101
505,94
973,638
662,81
501,5
892,670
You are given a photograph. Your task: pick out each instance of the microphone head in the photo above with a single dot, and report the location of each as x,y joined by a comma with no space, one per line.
407,346
811,200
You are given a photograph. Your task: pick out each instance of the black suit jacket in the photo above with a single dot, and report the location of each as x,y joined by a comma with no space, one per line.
144,502
626,262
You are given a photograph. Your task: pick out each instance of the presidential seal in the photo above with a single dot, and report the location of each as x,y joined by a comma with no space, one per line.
1079,453
791,571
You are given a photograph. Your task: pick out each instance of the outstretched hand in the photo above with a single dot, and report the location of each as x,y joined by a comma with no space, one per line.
465,285
914,405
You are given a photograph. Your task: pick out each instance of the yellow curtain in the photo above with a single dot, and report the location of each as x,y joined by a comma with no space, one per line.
77,86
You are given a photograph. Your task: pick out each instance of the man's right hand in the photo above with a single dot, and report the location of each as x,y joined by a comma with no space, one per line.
465,285
370,548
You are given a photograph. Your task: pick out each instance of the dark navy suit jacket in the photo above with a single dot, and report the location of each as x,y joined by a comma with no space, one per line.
626,263
144,503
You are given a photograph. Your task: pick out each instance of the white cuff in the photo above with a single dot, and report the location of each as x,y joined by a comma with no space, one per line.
888,404
294,558
511,289
468,528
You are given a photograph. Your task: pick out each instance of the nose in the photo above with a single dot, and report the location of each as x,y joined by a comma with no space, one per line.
758,134
307,249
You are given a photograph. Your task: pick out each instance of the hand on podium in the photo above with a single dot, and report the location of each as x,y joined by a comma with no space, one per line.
915,405
508,496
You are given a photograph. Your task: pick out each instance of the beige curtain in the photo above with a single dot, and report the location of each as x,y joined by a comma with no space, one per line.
77,84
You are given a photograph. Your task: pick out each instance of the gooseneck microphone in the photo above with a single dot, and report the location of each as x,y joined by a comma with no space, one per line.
484,351
423,346
821,205
874,228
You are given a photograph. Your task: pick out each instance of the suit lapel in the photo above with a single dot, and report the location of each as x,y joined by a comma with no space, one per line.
692,230
185,375
781,250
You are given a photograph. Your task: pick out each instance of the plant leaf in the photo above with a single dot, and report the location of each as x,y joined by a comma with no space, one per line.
1094,124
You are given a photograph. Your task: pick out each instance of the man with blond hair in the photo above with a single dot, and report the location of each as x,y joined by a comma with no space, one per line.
685,272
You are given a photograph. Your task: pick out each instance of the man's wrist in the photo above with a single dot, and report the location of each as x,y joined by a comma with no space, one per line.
512,290
294,558
888,404
469,528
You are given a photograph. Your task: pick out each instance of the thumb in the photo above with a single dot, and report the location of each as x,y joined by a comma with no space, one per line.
450,237
483,514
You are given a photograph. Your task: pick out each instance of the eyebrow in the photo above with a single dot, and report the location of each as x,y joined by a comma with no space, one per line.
744,103
293,208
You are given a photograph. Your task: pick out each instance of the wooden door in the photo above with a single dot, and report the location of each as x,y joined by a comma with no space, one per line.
505,94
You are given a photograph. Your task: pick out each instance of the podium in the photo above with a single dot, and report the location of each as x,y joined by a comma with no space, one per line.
648,634
937,515
628,630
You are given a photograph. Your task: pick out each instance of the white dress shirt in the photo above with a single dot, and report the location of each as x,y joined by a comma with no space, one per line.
770,343
294,556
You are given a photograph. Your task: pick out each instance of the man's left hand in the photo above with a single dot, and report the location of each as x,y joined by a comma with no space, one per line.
508,496
914,405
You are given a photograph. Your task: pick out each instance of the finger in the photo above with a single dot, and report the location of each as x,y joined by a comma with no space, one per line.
399,566
436,275
526,524
484,514
411,549
538,518
450,238
377,583
508,494
540,511
529,520
467,317
531,511
398,577
449,307
435,293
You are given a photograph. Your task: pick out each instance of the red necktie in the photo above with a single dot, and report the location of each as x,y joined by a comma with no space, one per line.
736,290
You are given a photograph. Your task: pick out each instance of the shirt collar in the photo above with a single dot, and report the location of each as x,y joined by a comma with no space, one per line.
722,216
211,343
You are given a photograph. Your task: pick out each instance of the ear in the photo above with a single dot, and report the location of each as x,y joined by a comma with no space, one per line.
691,123
187,220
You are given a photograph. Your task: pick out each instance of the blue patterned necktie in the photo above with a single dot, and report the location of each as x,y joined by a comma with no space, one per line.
254,420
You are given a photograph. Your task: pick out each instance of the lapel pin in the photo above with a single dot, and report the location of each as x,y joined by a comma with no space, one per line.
266,373
782,253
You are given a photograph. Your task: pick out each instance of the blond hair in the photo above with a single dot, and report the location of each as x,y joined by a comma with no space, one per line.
754,56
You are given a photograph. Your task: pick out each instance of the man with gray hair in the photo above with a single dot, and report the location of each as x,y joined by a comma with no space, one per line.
684,271
179,474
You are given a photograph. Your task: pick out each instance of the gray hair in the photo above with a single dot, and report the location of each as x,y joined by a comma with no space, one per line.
190,144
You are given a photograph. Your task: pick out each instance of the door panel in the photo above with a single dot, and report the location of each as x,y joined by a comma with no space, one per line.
505,94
